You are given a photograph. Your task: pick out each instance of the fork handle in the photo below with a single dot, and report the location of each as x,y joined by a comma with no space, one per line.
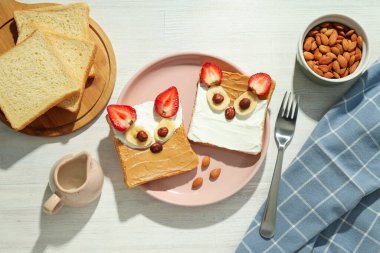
268,222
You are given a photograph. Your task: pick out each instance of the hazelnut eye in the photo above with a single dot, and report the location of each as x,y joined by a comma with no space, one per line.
217,98
142,136
244,103
162,131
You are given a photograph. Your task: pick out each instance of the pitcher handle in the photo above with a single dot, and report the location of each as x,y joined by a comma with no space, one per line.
53,204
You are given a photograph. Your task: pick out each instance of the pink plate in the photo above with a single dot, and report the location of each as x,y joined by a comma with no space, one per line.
182,70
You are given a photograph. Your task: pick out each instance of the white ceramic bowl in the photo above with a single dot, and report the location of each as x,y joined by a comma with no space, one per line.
349,79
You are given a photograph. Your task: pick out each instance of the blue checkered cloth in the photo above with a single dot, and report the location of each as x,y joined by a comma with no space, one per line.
329,197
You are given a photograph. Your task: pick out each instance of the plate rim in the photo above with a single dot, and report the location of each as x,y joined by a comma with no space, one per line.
266,124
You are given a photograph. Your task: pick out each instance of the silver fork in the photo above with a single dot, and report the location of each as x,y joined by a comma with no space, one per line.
284,130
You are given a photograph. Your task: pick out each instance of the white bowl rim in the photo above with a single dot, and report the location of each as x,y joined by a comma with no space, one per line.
358,71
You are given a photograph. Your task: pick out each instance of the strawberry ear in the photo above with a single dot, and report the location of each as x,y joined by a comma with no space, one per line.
260,83
167,103
121,116
210,74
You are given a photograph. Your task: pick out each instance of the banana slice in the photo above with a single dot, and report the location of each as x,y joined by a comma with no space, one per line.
217,98
135,141
245,103
164,130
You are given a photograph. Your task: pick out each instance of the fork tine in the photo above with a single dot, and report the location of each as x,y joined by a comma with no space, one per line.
287,105
281,111
293,99
297,100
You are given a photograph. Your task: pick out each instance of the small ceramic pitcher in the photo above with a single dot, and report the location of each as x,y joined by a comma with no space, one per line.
75,180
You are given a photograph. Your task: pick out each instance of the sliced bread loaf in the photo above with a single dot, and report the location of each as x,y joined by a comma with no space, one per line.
71,20
32,80
78,56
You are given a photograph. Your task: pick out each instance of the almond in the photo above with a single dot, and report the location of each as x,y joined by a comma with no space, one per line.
323,30
325,25
313,46
205,162
307,44
318,39
324,39
351,45
338,26
197,183
310,64
358,54
333,38
345,44
360,42
308,56
317,70
340,37
317,54
349,33
325,60
330,66
347,56
351,61
324,68
341,33
342,61
353,67
329,32
354,37
336,66
214,174
324,49
328,75
352,53
333,56
312,33
335,50
340,47
345,73
342,71
336,75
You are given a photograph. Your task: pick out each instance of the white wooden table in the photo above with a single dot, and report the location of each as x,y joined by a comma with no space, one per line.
256,36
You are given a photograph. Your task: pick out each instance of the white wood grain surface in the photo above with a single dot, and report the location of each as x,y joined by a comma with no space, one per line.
256,36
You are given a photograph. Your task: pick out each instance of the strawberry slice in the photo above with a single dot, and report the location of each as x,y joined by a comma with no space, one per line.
121,116
211,74
167,103
260,83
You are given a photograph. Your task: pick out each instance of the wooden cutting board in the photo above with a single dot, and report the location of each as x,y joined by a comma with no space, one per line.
98,90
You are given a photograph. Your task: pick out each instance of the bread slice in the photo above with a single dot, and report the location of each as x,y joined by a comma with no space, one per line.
212,129
32,80
70,20
78,56
142,166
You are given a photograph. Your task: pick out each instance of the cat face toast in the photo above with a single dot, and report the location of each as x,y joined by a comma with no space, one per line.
152,147
236,121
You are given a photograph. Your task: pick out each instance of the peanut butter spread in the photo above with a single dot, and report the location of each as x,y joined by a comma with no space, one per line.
236,84
142,166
